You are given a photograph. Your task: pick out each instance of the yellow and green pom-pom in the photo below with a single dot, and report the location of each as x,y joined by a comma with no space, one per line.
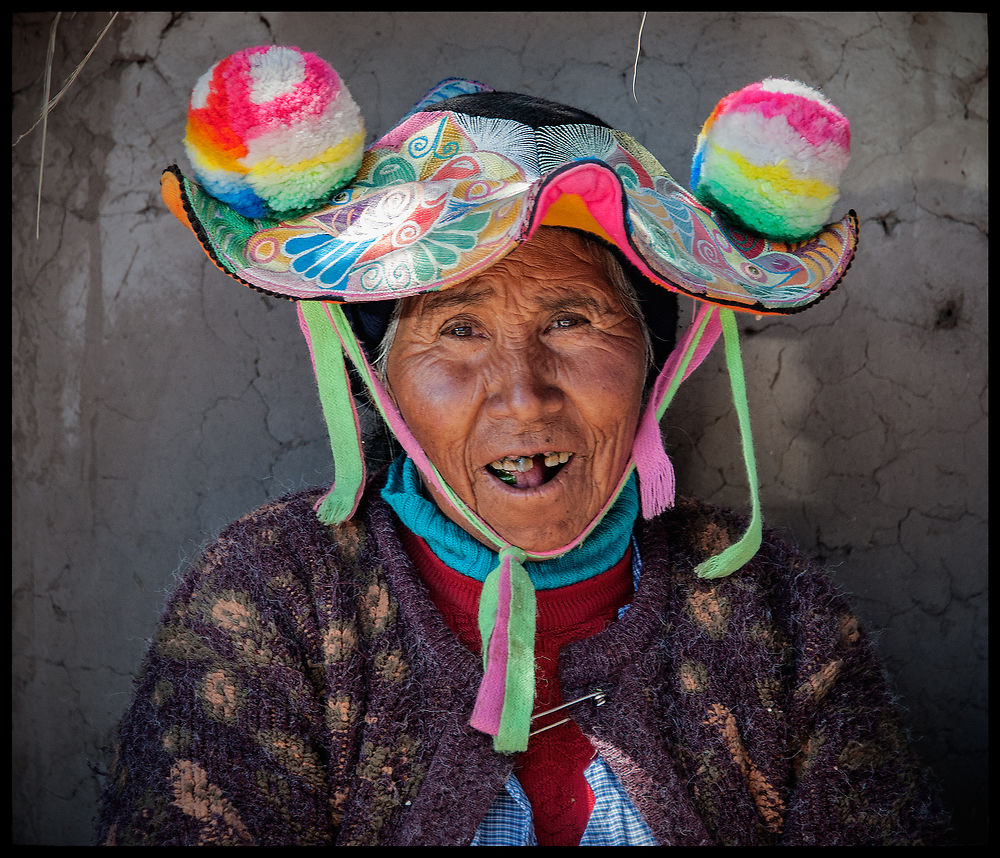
770,158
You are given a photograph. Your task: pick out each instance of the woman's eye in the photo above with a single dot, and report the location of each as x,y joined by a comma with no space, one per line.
460,331
567,322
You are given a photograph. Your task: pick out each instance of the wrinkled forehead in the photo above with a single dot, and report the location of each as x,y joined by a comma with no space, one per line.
555,269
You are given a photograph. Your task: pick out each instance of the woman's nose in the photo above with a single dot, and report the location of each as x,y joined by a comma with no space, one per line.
524,386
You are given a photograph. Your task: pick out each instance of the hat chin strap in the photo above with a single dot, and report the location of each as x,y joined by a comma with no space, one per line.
507,604
656,473
742,551
339,410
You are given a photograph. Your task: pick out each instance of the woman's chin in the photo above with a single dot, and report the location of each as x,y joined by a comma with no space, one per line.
540,518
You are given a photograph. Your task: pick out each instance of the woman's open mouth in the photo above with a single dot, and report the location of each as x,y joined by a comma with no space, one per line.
529,471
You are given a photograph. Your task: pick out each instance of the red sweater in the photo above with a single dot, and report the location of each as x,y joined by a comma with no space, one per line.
551,770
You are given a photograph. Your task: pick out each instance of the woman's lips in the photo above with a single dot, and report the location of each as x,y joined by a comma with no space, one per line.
530,470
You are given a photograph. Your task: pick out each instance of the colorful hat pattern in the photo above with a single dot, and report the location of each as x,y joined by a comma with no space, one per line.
444,195
274,139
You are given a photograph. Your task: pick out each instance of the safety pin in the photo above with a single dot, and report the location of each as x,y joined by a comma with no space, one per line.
599,700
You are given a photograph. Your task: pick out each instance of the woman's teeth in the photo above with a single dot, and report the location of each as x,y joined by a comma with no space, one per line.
523,464
528,471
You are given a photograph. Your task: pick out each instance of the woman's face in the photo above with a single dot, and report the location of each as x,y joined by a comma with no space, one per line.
523,386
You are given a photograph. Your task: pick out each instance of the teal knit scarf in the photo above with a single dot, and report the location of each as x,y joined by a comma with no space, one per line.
460,551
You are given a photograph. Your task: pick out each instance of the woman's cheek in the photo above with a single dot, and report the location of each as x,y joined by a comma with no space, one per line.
437,400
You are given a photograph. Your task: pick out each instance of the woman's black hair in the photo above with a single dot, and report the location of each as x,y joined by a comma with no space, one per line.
526,109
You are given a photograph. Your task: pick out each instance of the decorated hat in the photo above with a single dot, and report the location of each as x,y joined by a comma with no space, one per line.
447,192
284,199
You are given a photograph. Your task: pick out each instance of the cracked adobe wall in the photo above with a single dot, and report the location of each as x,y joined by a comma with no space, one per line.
155,400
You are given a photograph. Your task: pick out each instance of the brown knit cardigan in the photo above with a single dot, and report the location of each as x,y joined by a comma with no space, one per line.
302,689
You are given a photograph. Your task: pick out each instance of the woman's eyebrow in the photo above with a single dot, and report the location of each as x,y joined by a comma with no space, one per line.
468,295
457,296
572,301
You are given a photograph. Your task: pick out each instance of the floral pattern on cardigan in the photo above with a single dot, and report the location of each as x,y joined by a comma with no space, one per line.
302,690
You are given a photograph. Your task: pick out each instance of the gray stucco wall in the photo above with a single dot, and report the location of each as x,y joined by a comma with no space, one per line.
154,399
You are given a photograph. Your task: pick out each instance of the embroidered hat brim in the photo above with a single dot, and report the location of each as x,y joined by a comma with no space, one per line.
445,195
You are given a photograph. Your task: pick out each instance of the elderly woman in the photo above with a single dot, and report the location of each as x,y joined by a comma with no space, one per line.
514,635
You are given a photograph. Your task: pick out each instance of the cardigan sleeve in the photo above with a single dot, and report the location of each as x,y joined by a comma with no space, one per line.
778,726
855,779
225,740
